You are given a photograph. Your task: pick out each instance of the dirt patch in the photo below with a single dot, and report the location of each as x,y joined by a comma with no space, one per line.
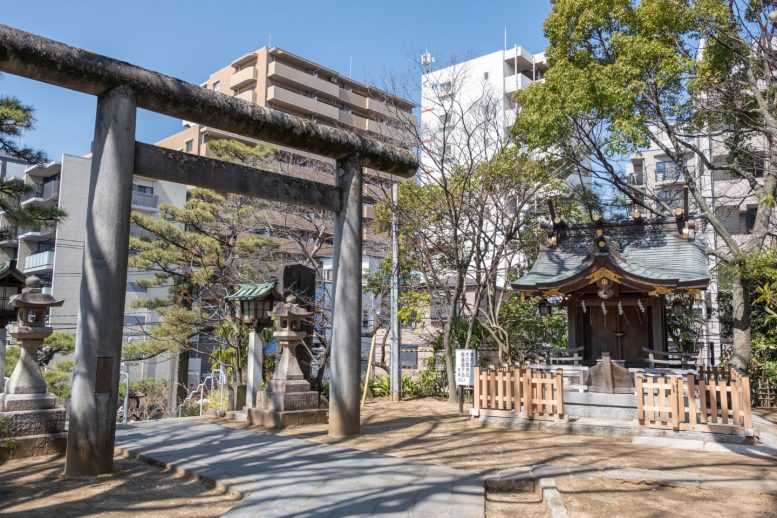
35,487
588,497
514,498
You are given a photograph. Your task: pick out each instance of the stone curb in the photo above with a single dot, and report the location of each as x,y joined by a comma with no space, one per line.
174,467
699,445
637,475
552,498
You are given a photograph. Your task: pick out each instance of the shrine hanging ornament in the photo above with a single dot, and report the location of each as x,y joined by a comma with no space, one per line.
604,313
585,308
621,312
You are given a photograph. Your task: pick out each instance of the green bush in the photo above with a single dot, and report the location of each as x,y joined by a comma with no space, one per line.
380,386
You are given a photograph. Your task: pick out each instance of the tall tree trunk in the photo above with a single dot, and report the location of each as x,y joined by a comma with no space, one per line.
740,301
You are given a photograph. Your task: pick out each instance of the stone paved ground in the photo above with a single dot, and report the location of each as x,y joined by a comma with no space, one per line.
285,476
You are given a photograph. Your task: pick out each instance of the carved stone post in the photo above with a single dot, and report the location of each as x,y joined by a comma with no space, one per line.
345,364
92,430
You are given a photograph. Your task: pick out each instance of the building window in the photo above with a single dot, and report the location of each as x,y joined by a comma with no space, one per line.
328,275
747,219
134,320
408,356
204,138
189,146
216,86
667,171
142,189
366,318
670,197
134,287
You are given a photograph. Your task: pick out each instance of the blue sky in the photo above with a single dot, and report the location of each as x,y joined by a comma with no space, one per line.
191,39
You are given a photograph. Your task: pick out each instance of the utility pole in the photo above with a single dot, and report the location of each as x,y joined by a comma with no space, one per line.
396,367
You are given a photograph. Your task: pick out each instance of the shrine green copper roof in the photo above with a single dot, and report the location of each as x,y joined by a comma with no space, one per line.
256,291
655,252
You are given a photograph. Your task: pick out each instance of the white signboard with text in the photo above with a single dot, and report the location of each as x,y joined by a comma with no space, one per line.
466,361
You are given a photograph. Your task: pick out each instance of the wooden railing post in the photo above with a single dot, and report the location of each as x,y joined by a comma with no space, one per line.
747,418
559,393
674,405
476,402
691,383
528,391
517,386
640,398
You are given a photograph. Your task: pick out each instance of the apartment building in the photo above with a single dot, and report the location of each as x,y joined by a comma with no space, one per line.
657,176
275,78
54,252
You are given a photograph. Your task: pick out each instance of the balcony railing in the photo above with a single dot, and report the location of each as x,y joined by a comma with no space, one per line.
140,199
39,261
8,233
35,228
46,192
636,179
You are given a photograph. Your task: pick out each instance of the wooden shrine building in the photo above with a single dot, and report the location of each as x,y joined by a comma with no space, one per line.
617,280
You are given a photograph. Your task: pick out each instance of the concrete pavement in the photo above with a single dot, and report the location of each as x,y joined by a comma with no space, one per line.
283,476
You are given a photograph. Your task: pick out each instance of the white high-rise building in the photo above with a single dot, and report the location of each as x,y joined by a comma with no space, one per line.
473,98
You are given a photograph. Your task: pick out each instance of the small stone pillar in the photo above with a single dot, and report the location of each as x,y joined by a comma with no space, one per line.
31,420
288,400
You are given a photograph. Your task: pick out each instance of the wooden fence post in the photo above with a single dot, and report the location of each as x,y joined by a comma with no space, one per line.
674,405
747,419
528,393
640,398
559,394
691,382
476,402
517,390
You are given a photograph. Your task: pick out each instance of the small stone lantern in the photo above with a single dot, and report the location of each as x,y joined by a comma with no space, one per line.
288,400
291,319
30,329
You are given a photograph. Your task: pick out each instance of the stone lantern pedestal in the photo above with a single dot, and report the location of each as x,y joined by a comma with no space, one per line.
288,400
30,421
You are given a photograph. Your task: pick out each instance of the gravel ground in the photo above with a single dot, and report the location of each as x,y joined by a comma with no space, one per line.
426,430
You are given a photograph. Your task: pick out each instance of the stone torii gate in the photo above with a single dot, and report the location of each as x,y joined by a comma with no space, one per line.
121,88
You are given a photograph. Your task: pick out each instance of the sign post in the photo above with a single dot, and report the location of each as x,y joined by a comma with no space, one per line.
466,360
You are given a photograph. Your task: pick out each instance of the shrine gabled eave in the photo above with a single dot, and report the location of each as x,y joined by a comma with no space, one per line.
653,258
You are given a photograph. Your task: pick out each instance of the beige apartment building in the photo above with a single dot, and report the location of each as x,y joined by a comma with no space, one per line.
274,78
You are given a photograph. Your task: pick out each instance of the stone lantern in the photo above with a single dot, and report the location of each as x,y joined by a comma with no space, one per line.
288,400
252,304
29,414
29,330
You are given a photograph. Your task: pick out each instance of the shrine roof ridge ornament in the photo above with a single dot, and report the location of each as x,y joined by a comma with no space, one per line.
35,57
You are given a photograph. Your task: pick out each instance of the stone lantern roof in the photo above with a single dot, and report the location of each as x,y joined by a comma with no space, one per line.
290,308
32,296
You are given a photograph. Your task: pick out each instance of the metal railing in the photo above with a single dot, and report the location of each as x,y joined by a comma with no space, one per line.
46,191
142,199
39,260
201,389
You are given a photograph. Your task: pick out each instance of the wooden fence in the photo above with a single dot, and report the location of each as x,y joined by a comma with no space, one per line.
714,401
520,391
